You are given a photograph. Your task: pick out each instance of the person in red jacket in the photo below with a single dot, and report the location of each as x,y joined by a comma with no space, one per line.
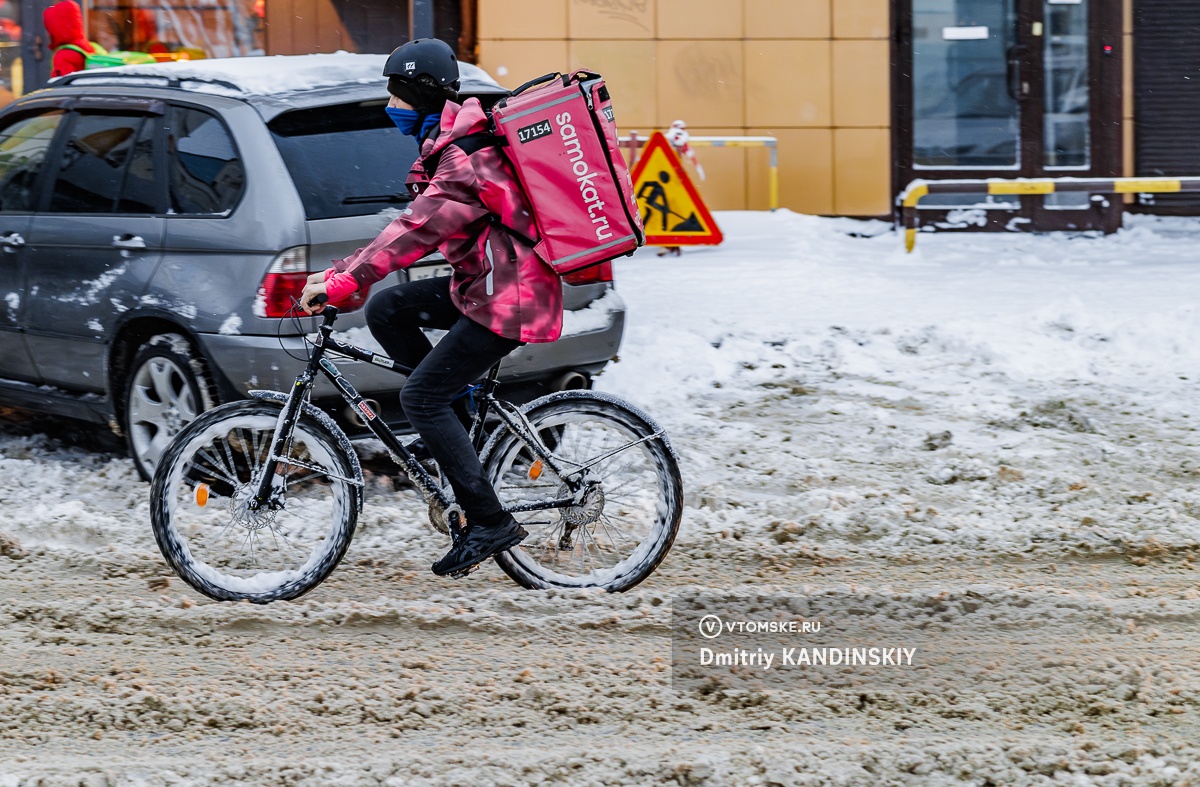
500,295
64,25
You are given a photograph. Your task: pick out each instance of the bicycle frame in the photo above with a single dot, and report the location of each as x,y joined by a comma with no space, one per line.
324,343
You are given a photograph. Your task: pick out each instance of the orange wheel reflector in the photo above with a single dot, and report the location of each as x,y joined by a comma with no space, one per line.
202,495
535,470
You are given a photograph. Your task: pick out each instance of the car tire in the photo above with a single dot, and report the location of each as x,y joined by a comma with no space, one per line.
166,388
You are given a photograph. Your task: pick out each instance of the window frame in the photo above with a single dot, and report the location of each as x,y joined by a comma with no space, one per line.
53,150
228,213
144,110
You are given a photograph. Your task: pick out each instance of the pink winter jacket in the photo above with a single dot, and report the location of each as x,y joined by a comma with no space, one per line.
498,281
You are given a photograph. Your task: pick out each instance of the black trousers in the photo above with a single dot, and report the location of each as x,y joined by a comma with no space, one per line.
464,355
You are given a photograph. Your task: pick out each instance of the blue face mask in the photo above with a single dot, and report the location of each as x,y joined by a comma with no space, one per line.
407,119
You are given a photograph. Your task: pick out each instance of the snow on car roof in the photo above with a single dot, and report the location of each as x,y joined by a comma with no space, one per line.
274,75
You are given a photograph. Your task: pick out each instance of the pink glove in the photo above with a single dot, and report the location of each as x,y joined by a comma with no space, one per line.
339,286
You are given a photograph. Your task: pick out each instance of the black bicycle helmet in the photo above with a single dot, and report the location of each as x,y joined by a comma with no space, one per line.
423,73
424,57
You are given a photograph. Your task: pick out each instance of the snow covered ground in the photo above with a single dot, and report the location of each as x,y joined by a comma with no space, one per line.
1004,417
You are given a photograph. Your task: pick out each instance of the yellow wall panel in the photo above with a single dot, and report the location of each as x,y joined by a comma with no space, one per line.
861,19
805,170
306,26
331,33
788,83
279,28
861,83
700,82
611,18
862,171
629,72
523,19
699,19
787,18
513,63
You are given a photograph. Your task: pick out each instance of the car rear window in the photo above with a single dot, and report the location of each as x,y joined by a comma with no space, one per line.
346,159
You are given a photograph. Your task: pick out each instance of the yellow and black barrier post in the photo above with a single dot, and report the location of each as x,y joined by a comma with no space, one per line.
918,189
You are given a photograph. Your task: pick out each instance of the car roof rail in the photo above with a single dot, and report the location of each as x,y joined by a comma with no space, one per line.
167,81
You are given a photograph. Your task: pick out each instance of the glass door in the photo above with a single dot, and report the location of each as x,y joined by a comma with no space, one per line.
965,115
1066,110
1009,89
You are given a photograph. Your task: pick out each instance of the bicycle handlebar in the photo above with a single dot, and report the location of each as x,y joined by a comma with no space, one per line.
330,313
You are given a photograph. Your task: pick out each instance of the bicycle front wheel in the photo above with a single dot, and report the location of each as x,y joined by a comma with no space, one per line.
207,531
623,524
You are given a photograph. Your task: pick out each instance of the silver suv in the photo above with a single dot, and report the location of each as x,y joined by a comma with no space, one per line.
156,220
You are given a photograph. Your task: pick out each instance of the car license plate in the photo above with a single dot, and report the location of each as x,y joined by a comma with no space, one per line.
428,271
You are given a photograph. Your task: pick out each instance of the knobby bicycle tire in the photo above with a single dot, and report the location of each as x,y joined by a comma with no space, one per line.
648,456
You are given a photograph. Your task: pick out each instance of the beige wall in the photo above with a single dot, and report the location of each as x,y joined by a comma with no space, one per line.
300,27
814,73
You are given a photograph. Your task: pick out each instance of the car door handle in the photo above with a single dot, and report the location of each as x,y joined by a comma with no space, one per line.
128,242
12,240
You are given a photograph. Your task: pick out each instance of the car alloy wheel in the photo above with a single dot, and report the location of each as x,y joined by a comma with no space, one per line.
162,397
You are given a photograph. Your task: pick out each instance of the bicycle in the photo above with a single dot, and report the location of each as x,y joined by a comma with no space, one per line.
258,499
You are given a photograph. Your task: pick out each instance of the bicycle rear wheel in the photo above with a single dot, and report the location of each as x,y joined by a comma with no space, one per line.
206,530
624,525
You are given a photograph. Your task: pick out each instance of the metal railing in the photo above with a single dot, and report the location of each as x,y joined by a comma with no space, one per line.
908,199
634,142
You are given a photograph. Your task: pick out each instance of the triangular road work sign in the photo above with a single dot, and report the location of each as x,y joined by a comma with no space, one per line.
672,211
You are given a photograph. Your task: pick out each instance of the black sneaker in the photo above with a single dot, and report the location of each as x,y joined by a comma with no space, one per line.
479,544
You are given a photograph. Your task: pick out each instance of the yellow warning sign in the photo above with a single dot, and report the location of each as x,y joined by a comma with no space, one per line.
672,211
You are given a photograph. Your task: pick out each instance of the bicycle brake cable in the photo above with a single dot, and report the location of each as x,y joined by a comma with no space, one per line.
292,313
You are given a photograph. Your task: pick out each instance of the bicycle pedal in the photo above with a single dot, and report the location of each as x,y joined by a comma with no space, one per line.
465,572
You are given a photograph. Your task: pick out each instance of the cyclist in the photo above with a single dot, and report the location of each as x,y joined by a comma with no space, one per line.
499,296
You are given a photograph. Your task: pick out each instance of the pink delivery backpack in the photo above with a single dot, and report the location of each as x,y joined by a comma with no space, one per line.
561,136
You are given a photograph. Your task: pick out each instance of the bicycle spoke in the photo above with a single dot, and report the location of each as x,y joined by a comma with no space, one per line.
225,472
219,473
239,540
302,479
229,454
252,449
610,465
608,525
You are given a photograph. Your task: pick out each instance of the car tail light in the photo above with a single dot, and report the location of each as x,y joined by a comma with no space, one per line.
596,274
285,280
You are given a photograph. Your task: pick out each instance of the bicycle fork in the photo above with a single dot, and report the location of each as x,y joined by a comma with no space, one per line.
273,475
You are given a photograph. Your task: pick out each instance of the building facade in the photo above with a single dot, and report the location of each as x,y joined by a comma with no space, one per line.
863,95
813,73
867,95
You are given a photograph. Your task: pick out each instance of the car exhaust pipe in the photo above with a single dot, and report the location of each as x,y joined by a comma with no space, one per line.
356,418
572,381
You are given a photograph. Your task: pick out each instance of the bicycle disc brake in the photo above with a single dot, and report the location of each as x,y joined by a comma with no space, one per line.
586,512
